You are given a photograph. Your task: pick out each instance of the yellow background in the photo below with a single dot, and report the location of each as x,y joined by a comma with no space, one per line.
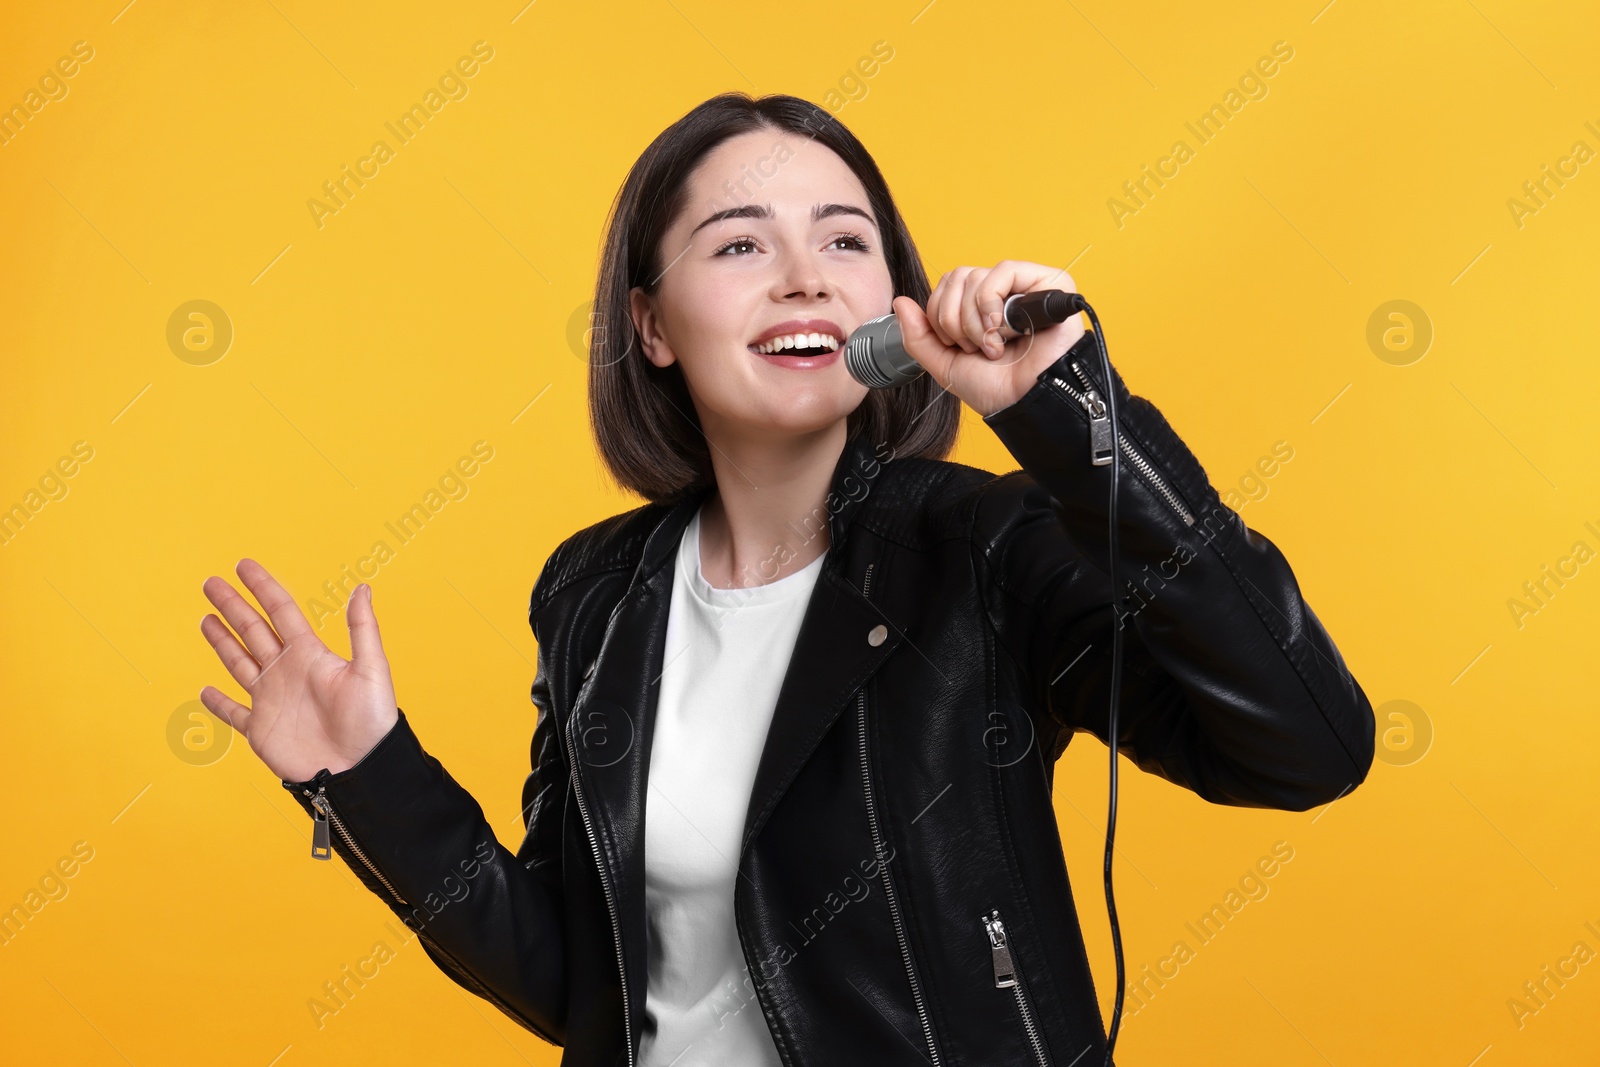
437,308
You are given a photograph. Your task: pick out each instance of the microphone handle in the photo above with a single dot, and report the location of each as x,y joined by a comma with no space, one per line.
876,357
1027,312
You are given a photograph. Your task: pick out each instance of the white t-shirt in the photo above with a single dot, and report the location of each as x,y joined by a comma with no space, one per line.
725,656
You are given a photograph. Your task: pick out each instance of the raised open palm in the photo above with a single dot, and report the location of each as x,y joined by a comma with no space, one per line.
309,707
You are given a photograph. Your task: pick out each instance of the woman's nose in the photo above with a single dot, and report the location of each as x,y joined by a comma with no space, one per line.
802,274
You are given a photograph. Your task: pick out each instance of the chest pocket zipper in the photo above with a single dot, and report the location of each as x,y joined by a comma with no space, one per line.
1008,975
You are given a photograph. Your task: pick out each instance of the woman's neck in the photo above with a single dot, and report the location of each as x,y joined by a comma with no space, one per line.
768,516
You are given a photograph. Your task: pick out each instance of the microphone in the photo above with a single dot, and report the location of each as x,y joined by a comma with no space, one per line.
876,356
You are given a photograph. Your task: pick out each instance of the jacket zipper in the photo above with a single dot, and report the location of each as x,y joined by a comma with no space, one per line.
321,849
321,846
605,885
883,863
588,829
1008,976
1100,441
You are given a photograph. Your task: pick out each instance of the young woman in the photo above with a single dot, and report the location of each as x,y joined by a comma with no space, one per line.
790,798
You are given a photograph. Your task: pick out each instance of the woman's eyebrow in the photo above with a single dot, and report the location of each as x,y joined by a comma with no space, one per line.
764,211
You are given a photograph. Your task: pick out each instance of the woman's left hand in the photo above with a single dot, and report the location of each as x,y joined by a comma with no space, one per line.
957,339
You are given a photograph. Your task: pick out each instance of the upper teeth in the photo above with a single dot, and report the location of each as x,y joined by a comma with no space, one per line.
798,340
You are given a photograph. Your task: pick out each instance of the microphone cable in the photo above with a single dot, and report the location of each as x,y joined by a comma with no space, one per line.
1116,670
1023,313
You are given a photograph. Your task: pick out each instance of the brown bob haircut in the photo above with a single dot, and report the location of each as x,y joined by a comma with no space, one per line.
642,417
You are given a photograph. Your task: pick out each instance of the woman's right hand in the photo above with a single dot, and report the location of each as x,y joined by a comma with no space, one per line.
309,707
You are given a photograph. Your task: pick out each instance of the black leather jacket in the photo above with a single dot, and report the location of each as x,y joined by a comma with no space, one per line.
903,896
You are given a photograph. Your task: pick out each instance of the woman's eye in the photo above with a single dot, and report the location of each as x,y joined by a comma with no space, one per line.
854,239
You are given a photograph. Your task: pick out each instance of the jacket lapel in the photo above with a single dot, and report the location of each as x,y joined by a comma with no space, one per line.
833,656
611,722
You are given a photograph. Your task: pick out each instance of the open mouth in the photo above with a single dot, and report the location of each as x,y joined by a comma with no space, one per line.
799,344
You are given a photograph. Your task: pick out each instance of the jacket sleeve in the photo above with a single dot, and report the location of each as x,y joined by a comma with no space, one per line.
1230,685
490,919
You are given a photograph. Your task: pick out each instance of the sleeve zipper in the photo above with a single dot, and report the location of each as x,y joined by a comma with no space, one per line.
1100,441
321,847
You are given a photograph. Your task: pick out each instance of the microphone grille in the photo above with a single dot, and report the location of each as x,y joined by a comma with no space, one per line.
859,362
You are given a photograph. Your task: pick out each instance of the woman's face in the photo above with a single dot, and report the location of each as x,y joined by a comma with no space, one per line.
769,269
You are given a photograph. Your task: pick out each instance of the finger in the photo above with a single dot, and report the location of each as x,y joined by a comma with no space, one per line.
1008,277
240,664
935,300
286,616
920,341
246,621
229,710
949,314
1016,276
366,646
981,306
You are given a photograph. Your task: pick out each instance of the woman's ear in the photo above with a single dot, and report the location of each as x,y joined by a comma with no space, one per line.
647,328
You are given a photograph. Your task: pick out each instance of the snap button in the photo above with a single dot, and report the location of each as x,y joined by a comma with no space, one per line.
877,634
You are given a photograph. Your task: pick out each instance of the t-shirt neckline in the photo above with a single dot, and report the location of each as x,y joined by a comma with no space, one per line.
784,588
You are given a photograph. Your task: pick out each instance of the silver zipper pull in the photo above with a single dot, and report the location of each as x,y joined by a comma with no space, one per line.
1005,975
1099,430
321,843
1100,443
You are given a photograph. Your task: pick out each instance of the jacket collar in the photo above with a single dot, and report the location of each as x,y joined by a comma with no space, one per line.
610,725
